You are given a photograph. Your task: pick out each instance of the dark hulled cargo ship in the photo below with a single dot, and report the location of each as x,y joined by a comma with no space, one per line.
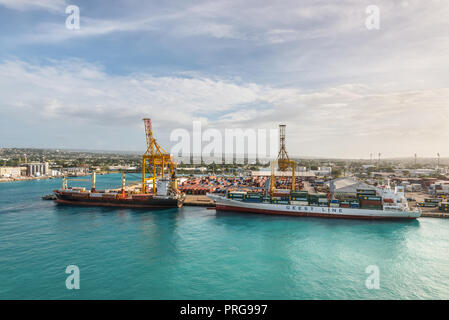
164,194
113,199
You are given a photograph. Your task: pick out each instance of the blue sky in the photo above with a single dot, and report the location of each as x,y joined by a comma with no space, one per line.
342,90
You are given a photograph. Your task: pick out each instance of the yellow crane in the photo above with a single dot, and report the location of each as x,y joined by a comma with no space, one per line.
155,157
283,161
273,165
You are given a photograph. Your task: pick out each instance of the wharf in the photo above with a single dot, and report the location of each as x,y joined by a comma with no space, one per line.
433,213
426,212
190,200
198,200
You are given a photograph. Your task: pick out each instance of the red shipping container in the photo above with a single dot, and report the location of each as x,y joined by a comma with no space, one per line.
370,202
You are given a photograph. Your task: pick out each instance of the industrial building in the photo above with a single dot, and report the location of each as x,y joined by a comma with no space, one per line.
349,186
36,169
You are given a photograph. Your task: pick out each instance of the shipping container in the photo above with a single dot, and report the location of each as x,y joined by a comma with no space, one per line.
367,197
300,203
433,200
366,191
282,191
371,207
317,195
279,201
299,198
95,195
300,194
428,204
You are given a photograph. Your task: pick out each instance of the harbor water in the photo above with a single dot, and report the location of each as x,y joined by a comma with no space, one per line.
195,253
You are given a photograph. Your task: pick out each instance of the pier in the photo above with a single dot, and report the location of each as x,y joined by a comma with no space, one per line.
198,200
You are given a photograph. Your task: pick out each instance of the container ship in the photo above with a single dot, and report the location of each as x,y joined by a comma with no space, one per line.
385,203
373,203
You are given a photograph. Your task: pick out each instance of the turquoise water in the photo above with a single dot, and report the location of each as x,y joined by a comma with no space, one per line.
194,253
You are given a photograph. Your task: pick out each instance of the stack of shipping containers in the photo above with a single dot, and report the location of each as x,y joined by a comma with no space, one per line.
444,206
369,200
300,198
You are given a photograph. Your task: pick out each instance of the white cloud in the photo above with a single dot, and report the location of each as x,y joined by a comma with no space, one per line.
74,89
208,29
23,5
345,120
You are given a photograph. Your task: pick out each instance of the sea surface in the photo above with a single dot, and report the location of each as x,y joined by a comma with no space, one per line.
195,253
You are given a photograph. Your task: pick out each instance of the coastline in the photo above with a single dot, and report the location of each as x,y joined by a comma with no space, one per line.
35,178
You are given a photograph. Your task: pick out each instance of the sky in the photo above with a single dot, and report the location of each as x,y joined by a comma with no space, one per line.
342,89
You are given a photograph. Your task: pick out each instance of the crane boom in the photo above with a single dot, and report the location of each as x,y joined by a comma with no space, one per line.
155,157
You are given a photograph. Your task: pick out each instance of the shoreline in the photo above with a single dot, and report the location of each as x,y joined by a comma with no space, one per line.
5,180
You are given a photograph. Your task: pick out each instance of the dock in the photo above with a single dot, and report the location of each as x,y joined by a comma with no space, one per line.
433,213
198,200
427,212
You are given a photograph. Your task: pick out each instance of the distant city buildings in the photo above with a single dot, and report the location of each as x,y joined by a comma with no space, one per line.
75,171
10,172
323,171
122,167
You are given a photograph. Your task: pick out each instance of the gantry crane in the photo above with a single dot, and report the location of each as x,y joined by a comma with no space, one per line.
273,165
156,157
283,161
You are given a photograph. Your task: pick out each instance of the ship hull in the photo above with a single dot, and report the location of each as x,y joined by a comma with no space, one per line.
150,203
224,204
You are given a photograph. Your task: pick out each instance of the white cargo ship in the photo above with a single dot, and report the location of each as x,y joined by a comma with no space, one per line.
394,205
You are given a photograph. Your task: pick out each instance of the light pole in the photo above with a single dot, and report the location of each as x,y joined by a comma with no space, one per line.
438,164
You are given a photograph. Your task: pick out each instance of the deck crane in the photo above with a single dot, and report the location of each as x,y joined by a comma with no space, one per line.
156,157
